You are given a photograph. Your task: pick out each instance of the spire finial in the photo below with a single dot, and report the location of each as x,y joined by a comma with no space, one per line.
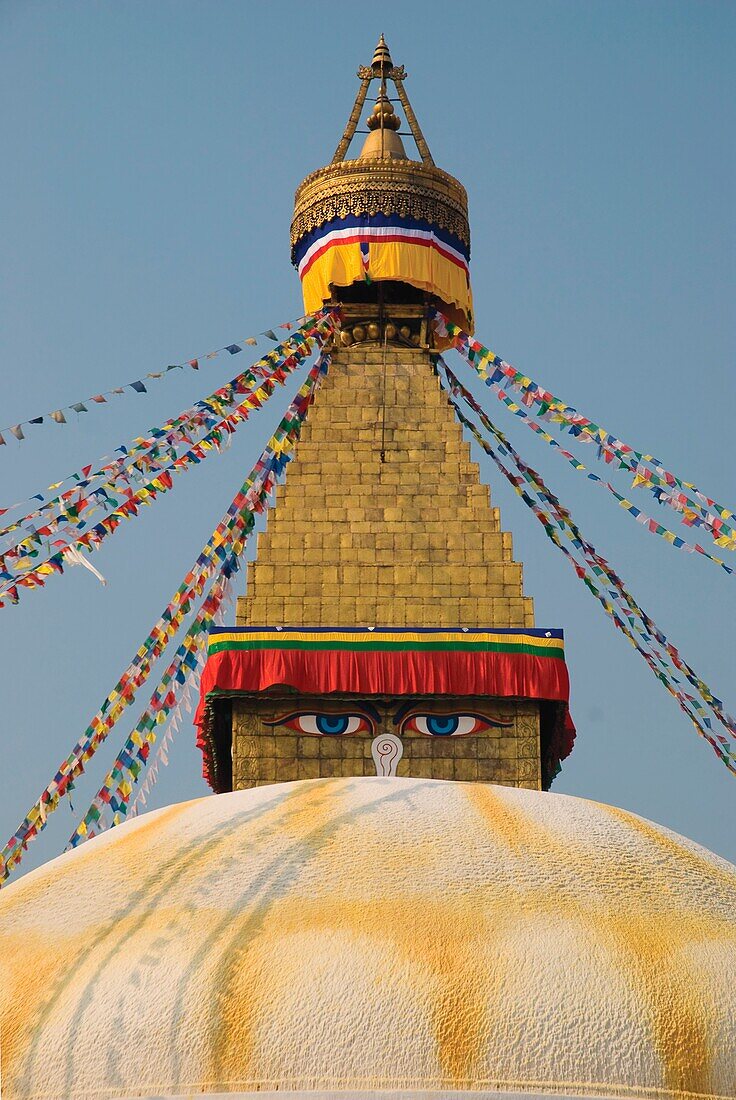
383,118
381,58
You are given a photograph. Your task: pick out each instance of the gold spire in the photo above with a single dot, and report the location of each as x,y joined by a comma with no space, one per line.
383,69
382,142
383,122
381,58
383,115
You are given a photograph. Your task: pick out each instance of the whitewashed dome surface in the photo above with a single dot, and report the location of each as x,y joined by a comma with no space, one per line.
351,935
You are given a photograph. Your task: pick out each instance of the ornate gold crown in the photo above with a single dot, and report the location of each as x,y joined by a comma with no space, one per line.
383,179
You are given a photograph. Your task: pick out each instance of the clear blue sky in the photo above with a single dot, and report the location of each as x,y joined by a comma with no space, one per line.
150,155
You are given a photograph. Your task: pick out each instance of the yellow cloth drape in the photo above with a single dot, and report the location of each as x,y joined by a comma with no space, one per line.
417,264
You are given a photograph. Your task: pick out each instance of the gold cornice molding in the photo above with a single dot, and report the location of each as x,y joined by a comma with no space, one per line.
359,188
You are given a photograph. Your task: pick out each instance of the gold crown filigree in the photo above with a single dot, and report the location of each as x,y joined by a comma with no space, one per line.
357,188
381,182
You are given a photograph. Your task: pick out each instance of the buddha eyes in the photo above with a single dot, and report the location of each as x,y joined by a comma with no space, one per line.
326,725
445,725
337,724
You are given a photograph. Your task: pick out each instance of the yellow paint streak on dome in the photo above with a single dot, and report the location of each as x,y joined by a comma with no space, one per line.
679,1014
681,1020
431,946
681,853
70,971
518,831
131,846
460,1008
303,818
450,987
28,961
679,1017
34,957
432,942
59,967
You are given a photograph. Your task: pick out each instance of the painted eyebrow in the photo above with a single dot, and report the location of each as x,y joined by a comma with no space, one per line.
410,710
361,709
402,712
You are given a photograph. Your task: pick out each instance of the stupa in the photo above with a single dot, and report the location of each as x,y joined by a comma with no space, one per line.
384,899
384,606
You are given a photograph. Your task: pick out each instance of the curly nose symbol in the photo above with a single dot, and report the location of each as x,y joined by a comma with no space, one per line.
387,750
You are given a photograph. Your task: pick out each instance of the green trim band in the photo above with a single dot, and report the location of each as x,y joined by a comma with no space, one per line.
557,653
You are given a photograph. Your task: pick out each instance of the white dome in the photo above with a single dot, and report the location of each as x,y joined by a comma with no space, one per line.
373,934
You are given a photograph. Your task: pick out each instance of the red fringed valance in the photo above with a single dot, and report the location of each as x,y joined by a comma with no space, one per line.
519,664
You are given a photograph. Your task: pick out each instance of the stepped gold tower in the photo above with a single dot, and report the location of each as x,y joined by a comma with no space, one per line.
383,523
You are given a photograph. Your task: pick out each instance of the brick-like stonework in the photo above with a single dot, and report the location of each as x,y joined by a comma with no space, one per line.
412,541
264,753
409,541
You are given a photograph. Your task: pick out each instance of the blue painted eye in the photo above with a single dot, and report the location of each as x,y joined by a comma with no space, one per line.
442,725
325,724
449,725
332,723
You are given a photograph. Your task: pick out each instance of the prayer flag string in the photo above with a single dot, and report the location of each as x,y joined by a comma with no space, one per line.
58,416
693,507
215,557
628,616
649,524
118,786
200,413
184,702
17,568
161,756
130,762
